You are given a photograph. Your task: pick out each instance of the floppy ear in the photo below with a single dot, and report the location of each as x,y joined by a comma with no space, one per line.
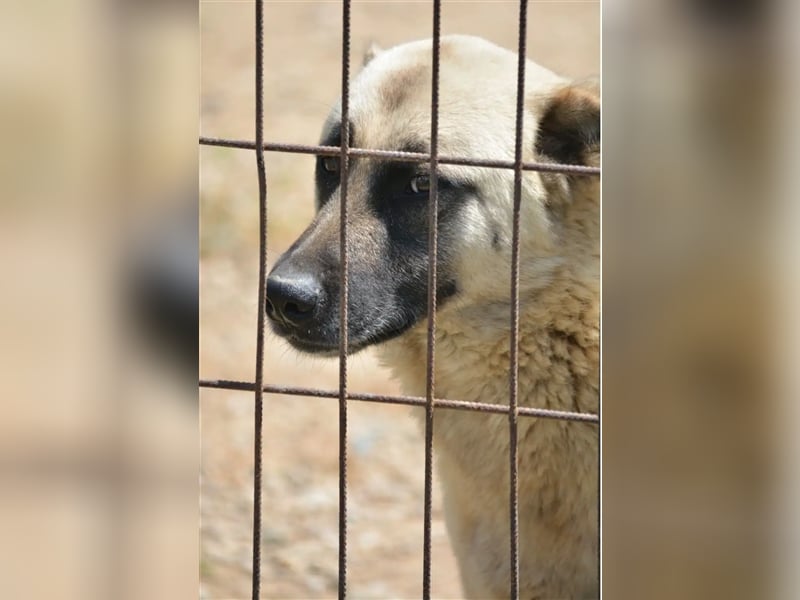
569,129
371,53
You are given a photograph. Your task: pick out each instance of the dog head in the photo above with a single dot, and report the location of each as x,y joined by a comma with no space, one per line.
390,109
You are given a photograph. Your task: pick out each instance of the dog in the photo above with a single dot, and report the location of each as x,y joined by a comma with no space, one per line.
387,308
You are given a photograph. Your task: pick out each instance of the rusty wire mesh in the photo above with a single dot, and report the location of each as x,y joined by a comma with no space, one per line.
430,402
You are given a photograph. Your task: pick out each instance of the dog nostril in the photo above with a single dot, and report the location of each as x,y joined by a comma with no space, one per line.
297,309
291,301
270,308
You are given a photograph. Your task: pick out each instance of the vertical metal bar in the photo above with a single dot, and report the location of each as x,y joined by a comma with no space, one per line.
514,376
433,235
343,299
262,294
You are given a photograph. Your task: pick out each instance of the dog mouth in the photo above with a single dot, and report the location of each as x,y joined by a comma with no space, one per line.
328,345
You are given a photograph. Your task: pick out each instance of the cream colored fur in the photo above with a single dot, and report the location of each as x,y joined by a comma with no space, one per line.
559,344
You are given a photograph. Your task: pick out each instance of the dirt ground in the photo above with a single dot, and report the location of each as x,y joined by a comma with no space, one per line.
300,487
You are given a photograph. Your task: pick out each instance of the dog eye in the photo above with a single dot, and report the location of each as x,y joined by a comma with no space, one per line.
420,184
331,164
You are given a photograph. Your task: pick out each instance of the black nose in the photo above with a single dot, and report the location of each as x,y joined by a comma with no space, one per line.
292,300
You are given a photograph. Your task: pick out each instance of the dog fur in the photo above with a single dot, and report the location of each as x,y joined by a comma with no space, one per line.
559,295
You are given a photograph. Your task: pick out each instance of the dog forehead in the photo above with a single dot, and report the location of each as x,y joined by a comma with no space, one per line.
391,97
401,76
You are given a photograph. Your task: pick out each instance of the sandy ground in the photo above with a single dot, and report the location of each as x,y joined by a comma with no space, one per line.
300,493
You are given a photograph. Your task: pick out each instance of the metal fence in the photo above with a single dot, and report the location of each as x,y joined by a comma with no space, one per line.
430,402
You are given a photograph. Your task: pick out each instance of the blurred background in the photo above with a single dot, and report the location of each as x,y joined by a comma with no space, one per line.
386,478
98,264
99,441
700,274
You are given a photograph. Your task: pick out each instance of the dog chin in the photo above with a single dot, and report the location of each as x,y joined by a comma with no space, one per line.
314,347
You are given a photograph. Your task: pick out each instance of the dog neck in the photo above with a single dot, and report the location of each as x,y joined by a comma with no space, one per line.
558,338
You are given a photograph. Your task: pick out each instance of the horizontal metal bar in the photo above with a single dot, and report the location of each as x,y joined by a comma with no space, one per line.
397,156
246,386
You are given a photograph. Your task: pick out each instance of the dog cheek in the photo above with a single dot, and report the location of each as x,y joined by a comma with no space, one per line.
369,301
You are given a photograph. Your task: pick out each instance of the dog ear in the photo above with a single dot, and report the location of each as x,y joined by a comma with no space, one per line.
569,128
371,53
